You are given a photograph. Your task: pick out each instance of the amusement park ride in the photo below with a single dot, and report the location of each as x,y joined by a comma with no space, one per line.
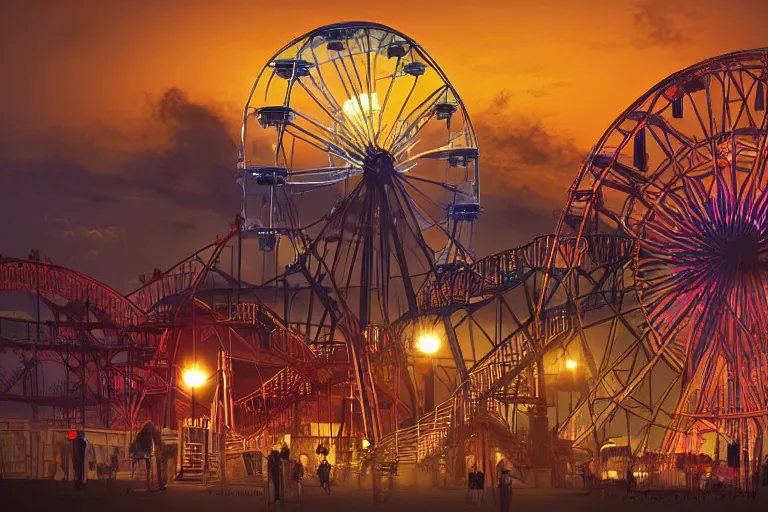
347,283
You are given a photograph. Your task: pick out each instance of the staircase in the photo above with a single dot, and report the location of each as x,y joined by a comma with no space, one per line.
429,435
276,395
7,382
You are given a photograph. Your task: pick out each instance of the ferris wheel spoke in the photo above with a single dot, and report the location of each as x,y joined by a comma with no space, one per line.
349,134
744,109
354,65
356,97
352,128
416,119
400,112
422,212
350,154
453,189
329,96
413,207
349,144
385,103
444,153
331,174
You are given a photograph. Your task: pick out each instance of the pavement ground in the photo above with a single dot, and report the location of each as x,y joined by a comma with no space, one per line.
247,495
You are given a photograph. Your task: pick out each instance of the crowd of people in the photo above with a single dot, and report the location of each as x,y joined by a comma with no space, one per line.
285,475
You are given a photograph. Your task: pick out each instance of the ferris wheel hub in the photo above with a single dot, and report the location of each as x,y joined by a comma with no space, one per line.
742,253
379,162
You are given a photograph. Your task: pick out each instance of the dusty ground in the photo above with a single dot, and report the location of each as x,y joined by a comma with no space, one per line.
44,496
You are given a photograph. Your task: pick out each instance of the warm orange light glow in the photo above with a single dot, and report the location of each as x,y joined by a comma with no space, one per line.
366,444
428,343
570,364
194,378
362,109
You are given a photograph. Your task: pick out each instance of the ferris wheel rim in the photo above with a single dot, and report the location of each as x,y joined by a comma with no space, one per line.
756,53
361,25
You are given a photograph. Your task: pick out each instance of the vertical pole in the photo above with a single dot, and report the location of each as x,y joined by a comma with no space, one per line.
330,423
37,340
221,416
67,384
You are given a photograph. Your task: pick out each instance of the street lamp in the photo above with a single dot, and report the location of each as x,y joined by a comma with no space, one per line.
193,378
571,365
428,343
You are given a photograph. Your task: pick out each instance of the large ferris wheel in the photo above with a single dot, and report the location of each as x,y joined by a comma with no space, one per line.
677,349
351,100
357,151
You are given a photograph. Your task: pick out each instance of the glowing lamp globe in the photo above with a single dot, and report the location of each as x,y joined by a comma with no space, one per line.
193,378
570,364
428,343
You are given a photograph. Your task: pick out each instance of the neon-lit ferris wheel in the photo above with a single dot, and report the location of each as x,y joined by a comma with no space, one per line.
677,350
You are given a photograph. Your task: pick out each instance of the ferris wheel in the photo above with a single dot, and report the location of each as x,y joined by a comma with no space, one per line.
358,150
676,338
349,99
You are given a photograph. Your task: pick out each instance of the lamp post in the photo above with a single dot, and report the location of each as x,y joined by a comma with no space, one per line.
428,343
571,365
193,378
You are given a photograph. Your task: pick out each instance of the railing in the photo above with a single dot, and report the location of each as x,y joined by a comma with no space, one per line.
430,433
275,335
499,271
48,279
152,297
8,382
274,396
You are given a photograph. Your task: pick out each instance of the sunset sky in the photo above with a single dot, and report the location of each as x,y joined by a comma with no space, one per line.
117,149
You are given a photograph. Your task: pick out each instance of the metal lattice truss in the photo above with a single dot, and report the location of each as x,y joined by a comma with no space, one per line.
655,278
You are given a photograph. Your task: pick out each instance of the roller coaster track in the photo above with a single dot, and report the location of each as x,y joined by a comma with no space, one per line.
287,387
459,287
52,280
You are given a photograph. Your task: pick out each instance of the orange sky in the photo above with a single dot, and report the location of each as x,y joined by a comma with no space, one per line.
93,69
573,64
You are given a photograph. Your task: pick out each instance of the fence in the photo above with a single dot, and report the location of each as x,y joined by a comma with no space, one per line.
41,450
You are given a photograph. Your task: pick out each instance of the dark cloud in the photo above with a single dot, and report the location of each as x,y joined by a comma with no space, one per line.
116,204
525,171
657,24
540,92
519,155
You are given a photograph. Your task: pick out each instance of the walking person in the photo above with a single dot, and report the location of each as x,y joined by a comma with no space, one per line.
324,474
324,469
505,490
273,474
297,473
476,484
79,445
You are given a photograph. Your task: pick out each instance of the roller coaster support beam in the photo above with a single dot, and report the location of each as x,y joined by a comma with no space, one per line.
458,356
